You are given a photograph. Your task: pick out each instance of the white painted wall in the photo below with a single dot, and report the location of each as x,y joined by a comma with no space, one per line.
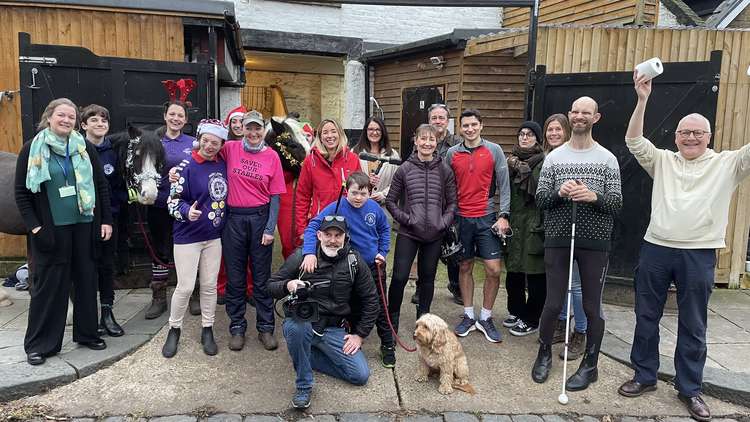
385,24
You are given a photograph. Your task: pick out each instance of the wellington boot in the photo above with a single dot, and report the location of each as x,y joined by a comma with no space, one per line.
170,346
207,340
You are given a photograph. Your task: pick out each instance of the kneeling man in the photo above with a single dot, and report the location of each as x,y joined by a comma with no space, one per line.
341,280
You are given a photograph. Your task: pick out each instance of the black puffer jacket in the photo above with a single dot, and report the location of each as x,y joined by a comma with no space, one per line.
348,286
430,198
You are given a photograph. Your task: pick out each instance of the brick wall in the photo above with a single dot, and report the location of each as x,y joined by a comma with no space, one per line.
385,24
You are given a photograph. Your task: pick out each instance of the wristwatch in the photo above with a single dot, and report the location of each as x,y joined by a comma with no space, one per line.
504,215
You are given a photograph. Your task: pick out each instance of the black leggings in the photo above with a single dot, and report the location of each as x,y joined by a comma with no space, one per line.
160,227
593,269
529,309
406,249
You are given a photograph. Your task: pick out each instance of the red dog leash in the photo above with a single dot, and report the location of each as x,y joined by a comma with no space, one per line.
387,314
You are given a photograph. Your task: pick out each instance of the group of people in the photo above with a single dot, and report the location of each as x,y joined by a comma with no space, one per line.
225,194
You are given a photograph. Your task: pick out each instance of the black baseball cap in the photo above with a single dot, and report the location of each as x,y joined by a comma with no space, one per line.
333,221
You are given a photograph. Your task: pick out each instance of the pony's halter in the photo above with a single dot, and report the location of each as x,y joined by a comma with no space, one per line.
134,180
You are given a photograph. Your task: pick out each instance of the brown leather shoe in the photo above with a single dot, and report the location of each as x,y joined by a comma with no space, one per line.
697,408
268,341
634,388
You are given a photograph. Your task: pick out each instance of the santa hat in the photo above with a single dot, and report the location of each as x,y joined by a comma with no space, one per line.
212,126
238,111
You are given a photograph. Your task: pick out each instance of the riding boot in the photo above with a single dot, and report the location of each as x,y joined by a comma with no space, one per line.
170,345
207,340
108,322
194,304
158,302
542,364
587,372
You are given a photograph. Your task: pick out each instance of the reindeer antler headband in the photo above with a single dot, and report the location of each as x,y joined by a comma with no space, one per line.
184,85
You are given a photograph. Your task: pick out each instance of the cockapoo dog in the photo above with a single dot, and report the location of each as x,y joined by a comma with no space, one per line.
439,350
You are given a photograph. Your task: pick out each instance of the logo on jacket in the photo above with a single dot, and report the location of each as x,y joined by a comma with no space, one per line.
370,219
217,186
109,169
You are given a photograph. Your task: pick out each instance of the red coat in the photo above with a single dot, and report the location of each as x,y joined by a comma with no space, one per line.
319,184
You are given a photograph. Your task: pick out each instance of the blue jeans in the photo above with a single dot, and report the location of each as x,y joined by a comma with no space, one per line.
322,353
578,314
692,271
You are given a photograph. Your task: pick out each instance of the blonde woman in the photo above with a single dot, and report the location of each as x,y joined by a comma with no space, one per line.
323,173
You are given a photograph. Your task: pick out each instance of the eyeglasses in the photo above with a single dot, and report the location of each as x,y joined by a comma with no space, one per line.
526,135
329,218
697,133
374,130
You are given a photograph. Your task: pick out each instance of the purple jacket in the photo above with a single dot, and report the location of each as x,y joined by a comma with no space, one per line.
430,192
175,150
204,182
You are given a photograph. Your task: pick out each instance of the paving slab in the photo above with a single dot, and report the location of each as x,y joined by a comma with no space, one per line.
20,379
496,418
364,417
87,361
176,418
460,417
225,417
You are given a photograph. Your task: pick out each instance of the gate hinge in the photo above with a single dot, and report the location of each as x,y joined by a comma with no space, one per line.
40,60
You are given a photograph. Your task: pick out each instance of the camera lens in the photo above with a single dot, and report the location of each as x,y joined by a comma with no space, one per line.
306,311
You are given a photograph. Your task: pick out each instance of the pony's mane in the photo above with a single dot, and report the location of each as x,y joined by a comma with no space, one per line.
293,127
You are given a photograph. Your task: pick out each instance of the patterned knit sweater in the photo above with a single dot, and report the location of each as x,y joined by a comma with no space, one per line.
597,168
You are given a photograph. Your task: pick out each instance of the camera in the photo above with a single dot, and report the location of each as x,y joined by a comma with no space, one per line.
300,306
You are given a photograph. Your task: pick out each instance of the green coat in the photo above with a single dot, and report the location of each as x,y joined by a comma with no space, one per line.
525,250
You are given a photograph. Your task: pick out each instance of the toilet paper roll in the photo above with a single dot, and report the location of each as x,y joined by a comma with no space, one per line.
748,71
651,68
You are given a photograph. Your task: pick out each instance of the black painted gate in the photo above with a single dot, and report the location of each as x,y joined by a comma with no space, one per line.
683,88
130,88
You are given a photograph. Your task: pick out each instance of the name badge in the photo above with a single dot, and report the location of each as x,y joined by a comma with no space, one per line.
66,191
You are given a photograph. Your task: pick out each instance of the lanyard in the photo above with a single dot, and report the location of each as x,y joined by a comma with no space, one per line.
64,167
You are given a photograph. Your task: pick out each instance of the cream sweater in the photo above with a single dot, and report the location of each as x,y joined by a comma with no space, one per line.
690,199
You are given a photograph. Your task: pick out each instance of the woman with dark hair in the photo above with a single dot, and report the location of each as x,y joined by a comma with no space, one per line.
177,147
374,140
233,123
429,187
62,195
524,255
323,174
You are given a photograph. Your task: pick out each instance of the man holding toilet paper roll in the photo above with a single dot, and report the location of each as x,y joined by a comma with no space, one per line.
689,213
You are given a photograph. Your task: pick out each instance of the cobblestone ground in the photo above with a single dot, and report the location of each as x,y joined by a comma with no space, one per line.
384,417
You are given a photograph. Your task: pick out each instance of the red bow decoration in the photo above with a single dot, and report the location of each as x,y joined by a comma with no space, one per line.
184,85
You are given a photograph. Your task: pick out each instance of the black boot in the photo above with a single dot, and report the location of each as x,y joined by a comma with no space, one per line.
158,302
542,364
109,323
194,304
207,340
170,346
587,372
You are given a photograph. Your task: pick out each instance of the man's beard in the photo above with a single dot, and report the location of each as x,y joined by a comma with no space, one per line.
330,252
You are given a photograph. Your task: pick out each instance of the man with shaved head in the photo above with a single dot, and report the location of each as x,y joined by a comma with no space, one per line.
582,173
689,214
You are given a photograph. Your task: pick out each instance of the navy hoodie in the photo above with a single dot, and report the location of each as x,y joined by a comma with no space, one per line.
110,162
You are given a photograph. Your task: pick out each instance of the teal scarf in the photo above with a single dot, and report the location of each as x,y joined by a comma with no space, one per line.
38,169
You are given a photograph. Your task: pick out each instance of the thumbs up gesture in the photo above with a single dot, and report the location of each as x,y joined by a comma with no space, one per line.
194,213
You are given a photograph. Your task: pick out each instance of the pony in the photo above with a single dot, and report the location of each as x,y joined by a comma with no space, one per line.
11,223
141,159
284,135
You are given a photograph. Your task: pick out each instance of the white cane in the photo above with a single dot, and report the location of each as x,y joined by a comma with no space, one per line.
563,397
